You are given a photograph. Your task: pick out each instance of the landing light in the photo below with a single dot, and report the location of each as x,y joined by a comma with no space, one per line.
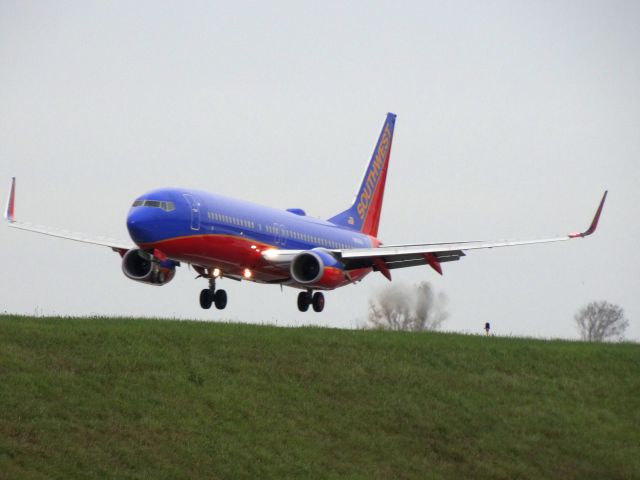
247,273
216,272
270,254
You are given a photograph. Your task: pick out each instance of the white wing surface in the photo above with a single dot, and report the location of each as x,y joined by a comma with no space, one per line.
9,215
389,257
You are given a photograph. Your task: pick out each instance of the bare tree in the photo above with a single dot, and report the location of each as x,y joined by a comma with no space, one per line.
416,308
599,321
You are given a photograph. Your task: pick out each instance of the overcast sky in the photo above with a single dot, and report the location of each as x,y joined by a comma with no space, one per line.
513,118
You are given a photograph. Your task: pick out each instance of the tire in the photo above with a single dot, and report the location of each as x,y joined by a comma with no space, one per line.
318,302
205,299
220,299
303,301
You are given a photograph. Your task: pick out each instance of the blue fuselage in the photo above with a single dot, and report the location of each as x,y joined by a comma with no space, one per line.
170,214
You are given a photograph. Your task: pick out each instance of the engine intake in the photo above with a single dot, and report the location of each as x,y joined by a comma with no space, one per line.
143,267
318,268
307,267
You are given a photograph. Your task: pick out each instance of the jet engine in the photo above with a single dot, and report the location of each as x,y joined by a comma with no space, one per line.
317,268
144,267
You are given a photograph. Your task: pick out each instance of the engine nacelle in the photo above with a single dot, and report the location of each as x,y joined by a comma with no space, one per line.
317,268
143,267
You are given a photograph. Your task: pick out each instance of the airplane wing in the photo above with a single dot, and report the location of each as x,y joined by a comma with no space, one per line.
388,257
9,215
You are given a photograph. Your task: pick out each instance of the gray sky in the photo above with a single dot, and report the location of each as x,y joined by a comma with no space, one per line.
513,117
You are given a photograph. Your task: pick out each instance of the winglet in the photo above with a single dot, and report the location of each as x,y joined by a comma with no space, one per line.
594,223
9,212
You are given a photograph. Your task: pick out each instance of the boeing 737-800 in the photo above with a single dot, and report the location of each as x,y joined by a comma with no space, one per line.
222,237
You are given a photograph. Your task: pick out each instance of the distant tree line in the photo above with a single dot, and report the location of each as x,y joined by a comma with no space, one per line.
408,308
600,321
418,308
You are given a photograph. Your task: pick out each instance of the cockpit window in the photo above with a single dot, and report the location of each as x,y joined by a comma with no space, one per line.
166,206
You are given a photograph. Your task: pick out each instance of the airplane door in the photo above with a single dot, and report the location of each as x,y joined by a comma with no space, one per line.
194,206
278,231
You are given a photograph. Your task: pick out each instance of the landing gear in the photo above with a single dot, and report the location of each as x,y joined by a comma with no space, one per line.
308,298
205,299
318,302
220,299
210,296
304,299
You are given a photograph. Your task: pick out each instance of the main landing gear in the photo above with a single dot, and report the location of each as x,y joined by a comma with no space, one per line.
309,298
210,296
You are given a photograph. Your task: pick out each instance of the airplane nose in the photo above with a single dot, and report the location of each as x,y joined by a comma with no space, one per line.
142,225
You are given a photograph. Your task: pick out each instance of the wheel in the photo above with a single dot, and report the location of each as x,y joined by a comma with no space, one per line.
220,299
205,298
303,301
318,302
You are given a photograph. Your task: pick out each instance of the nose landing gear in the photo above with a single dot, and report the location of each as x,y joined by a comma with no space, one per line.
210,296
206,299
309,298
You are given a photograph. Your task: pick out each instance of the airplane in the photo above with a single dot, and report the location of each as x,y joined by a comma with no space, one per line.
222,237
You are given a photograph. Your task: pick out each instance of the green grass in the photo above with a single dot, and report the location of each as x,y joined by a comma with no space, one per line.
130,398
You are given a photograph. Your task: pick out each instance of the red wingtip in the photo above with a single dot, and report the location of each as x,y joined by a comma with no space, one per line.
9,214
594,223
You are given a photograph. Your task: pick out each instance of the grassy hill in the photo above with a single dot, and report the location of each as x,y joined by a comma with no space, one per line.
127,398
